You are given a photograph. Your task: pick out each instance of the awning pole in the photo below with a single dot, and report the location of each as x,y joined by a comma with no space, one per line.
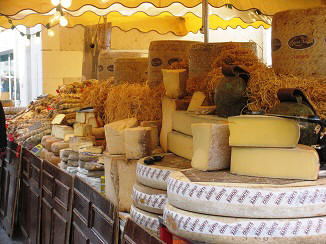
205,20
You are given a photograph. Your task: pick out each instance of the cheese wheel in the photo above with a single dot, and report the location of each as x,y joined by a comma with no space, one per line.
217,229
221,193
162,54
57,146
147,220
203,55
130,70
156,175
298,42
149,199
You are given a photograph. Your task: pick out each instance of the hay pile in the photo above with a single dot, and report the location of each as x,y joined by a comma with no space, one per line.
95,94
264,82
133,100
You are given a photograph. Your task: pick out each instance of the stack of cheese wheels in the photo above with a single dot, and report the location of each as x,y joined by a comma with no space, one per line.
162,54
130,70
218,207
298,42
203,55
149,193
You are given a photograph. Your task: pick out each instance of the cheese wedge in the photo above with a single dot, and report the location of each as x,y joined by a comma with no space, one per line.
82,129
196,101
211,146
175,81
78,142
93,122
168,107
301,162
80,117
182,121
59,131
137,142
58,119
180,144
263,131
114,135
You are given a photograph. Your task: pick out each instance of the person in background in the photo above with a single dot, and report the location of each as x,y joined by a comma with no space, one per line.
3,132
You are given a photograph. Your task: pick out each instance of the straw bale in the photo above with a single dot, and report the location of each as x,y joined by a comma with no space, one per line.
95,95
133,100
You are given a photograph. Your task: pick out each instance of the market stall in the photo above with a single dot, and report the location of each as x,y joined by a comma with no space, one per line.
202,141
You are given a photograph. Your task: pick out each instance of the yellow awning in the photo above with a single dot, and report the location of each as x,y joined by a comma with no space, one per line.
267,7
162,23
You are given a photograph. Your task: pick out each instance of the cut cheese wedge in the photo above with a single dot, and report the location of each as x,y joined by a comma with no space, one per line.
175,81
168,107
156,175
217,229
224,194
211,146
137,142
148,221
114,135
182,121
196,101
149,199
60,131
82,129
263,131
180,144
301,162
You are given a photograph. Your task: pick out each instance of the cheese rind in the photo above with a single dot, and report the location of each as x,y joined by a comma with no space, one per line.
301,162
148,221
149,199
180,144
196,101
217,229
114,135
224,194
82,129
182,121
211,150
156,175
60,131
175,81
137,142
263,131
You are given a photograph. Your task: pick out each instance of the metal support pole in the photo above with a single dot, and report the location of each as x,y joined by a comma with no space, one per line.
205,20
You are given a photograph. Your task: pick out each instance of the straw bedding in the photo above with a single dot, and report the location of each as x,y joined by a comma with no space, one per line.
264,82
133,100
95,95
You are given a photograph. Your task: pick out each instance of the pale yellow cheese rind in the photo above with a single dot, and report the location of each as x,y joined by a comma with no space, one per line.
180,144
263,131
182,121
301,162
175,81
211,150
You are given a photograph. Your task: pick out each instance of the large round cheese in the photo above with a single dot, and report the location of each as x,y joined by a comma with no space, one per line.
221,193
217,229
148,221
156,175
162,54
298,42
203,55
149,199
